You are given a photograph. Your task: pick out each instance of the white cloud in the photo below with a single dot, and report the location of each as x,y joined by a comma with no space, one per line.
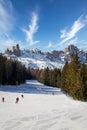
82,44
6,16
7,22
50,44
72,41
80,23
32,29
63,33
8,43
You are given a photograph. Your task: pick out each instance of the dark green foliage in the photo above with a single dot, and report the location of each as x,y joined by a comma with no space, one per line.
64,79
12,72
74,79
83,80
2,69
56,77
46,76
49,77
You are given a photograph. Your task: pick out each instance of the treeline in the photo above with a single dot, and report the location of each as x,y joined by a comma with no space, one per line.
47,76
72,79
12,72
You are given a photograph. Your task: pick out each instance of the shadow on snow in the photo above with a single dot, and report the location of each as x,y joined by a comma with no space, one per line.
31,86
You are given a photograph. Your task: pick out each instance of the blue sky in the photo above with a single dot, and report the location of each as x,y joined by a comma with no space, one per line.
44,24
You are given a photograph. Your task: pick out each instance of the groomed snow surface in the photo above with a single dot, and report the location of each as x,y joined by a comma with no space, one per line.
42,108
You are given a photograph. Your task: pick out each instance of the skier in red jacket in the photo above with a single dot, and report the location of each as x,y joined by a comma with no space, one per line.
3,99
17,99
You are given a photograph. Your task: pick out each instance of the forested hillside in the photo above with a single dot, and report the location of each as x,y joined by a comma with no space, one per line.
12,72
72,79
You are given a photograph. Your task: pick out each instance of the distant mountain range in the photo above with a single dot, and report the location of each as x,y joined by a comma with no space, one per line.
39,60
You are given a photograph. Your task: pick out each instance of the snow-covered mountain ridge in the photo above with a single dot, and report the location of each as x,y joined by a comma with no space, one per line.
39,60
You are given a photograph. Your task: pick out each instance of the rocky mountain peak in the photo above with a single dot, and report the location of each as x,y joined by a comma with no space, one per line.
35,58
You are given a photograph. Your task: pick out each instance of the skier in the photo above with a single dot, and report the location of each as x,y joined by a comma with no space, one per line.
3,99
22,95
17,99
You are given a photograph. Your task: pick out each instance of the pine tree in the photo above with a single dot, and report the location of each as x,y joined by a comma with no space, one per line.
12,72
46,76
56,77
73,76
64,78
84,81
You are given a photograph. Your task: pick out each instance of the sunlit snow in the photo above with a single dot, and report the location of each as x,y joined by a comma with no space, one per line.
42,108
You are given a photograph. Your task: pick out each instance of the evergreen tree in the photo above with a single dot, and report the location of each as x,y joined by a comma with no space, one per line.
83,73
73,76
56,78
64,78
12,72
46,76
74,79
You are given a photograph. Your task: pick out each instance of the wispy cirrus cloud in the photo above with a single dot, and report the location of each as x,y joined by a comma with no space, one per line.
32,29
7,42
7,22
72,41
50,44
80,23
6,16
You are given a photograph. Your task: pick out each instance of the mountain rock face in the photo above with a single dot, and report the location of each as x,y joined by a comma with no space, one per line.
15,51
71,49
39,60
54,55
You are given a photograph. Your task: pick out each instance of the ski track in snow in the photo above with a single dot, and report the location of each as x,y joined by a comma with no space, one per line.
41,111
